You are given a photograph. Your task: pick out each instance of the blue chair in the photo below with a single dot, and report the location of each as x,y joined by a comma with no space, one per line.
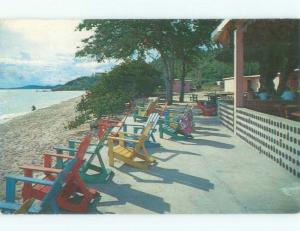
49,201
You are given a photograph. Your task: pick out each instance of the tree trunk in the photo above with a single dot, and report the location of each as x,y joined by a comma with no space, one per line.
169,91
182,85
268,70
168,77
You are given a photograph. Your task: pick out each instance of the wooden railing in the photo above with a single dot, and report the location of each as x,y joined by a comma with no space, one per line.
273,107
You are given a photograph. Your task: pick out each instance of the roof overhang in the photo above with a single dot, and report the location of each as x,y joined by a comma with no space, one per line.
220,34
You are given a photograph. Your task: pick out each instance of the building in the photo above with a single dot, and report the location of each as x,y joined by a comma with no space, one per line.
272,135
177,85
250,81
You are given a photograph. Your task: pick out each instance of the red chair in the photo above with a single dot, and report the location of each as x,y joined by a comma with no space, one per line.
206,108
73,183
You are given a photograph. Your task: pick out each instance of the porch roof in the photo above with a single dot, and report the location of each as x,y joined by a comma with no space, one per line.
221,33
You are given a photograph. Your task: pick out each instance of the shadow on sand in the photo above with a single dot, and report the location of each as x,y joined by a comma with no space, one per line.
206,133
204,142
206,128
169,176
171,153
124,193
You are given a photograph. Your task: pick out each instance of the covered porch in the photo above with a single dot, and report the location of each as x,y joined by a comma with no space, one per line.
216,172
270,126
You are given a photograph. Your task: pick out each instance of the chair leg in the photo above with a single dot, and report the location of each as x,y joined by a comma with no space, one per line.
111,159
148,159
137,164
110,152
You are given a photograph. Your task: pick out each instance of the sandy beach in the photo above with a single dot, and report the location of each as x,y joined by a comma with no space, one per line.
24,139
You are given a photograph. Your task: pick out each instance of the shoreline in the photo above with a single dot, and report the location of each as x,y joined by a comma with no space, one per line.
24,139
9,116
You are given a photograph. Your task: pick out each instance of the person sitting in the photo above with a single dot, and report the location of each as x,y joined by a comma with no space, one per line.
250,93
287,95
263,95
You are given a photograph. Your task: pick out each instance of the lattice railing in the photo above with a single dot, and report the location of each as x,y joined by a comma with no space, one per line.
226,114
276,137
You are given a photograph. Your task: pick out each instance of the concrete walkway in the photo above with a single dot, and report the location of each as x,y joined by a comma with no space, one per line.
215,172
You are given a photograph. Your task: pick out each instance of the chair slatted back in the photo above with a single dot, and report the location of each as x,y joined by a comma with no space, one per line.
153,118
58,184
103,139
81,152
143,137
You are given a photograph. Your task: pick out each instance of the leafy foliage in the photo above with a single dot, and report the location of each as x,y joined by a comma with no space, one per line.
273,45
192,40
277,45
206,68
114,89
131,39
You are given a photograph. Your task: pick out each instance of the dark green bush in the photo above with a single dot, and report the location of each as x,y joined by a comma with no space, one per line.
114,89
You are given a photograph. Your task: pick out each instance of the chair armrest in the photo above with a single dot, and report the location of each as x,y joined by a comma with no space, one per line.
130,133
70,149
60,155
79,141
135,125
32,180
40,169
122,139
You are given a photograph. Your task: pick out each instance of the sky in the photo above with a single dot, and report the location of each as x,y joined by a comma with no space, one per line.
43,52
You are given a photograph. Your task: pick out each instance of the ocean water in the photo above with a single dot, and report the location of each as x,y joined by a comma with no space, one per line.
17,102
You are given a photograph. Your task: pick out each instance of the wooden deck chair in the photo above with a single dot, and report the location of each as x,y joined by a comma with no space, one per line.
138,129
94,172
90,171
129,154
74,185
47,202
178,130
207,108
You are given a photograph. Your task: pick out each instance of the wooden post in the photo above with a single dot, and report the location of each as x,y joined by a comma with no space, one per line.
238,68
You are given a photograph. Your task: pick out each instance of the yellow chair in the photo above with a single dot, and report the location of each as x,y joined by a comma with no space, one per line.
119,150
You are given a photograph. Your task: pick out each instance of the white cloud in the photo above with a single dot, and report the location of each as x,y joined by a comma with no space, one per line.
42,52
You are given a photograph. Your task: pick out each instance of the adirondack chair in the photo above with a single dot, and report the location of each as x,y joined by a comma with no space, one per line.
74,185
47,202
128,154
172,116
138,129
207,109
90,172
141,113
100,173
178,129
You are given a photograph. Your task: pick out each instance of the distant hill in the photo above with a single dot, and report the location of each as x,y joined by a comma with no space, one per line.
81,83
31,87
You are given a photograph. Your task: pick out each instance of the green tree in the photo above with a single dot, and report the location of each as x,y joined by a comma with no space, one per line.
192,40
129,39
115,88
273,45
